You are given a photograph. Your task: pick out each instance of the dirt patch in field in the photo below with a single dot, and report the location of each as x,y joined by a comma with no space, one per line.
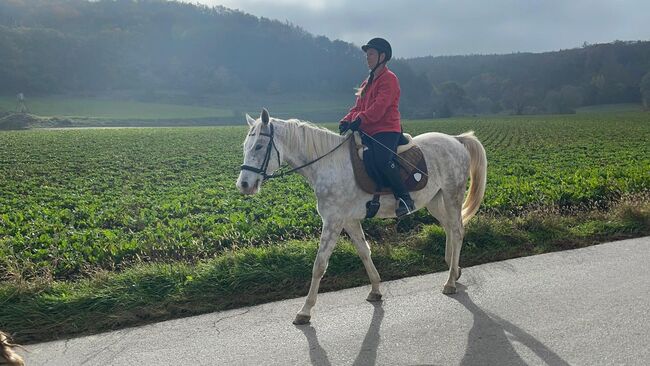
23,121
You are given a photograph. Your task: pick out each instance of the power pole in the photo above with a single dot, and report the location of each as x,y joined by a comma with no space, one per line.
21,107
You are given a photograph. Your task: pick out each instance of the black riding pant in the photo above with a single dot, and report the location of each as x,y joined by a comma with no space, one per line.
380,161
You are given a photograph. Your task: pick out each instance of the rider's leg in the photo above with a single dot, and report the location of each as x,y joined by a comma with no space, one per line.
385,146
369,162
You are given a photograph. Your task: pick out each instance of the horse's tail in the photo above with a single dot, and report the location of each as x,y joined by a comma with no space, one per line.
477,173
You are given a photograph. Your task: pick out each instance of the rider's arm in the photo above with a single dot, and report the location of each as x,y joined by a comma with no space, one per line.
387,93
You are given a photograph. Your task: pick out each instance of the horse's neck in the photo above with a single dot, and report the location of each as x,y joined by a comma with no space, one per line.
296,154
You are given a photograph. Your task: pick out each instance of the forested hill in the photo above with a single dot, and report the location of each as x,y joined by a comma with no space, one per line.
153,48
76,45
551,81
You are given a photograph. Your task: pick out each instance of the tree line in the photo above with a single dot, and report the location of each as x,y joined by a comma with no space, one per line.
147,46
551,82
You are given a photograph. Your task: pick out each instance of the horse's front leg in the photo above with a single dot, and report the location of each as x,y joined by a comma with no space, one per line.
331,232
355,231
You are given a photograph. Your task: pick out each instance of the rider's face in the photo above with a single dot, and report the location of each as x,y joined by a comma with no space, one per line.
372,58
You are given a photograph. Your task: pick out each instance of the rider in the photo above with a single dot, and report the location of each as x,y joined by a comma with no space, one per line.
376,115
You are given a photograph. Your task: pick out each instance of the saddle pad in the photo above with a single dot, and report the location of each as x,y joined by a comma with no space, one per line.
400,148
413,178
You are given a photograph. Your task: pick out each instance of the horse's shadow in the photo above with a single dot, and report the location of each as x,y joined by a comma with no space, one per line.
317,354
489,341
368,353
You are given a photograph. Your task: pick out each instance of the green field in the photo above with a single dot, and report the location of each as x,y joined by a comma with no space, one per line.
611,108
84,108
181,107
74,201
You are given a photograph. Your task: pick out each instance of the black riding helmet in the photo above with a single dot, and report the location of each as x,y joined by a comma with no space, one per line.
381,45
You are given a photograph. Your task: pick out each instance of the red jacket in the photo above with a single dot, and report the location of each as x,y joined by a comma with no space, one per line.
378,107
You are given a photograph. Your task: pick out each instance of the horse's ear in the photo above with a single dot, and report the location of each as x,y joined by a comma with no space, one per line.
250,120
265,116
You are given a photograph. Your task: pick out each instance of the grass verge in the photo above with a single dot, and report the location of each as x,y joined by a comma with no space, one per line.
40,311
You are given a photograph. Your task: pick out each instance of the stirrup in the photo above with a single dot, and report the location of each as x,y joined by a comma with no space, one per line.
372,207
403,207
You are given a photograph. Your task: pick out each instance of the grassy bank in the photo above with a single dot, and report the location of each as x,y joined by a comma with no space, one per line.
49,309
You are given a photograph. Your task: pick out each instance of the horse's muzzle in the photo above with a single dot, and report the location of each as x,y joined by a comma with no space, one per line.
247,188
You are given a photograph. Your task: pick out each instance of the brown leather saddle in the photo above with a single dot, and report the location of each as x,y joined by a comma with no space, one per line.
410,160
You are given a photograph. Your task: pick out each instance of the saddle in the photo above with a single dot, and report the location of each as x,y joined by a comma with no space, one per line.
410,160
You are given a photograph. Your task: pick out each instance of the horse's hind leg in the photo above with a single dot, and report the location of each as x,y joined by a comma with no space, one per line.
436,208
329,235
447,210
454,230
355,231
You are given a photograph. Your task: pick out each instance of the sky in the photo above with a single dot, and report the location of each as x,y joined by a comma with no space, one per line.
460,27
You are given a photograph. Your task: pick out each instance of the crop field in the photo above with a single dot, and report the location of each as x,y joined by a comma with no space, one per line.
76,201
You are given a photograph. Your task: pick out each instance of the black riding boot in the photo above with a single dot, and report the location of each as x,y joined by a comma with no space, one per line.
371,169
405,204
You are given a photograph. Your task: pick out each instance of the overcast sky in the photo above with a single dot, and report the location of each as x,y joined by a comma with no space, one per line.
459,27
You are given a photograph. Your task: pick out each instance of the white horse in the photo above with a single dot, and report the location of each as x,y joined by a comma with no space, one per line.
451,160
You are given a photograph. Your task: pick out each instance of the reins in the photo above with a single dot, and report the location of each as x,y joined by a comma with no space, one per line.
267,158
271,146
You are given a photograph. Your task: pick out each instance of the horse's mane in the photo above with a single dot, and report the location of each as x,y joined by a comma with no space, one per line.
316,140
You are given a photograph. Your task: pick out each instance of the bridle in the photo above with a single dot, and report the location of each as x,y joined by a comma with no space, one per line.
267,158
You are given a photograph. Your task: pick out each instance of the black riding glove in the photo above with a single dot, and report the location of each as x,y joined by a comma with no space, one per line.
354,126
344,126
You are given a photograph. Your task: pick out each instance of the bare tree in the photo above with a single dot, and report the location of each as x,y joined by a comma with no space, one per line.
645,90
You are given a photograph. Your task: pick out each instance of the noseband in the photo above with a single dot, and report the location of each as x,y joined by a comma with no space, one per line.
267,157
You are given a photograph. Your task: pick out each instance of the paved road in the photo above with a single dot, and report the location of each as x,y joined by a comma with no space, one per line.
583,307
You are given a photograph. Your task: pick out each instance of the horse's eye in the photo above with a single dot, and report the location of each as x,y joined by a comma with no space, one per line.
258,147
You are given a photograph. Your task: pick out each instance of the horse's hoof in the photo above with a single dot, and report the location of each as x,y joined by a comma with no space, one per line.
301,319
460,272
449,290
372,297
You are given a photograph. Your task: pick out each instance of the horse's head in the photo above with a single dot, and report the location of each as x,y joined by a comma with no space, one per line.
261,155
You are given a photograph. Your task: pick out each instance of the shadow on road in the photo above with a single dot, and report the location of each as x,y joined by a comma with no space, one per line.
367,353
317,353
488,342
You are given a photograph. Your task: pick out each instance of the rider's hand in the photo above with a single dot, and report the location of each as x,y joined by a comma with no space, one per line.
354,126
344,126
